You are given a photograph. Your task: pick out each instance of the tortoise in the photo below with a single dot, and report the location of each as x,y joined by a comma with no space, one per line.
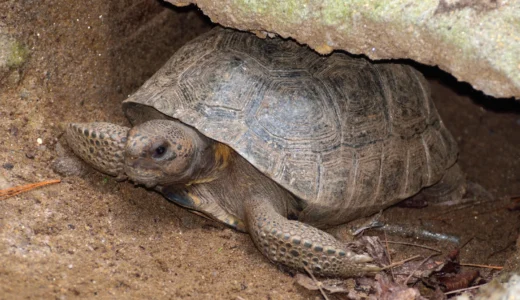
273,139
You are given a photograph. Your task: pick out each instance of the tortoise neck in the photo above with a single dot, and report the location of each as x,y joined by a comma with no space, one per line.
210,162
231,179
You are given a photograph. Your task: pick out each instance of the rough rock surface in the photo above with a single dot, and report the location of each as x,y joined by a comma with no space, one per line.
477,41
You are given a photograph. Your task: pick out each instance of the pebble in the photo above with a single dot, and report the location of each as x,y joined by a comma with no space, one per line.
29,155
67,164
13,130
8,166
39,141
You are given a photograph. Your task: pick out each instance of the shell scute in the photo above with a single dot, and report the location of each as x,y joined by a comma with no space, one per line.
344,135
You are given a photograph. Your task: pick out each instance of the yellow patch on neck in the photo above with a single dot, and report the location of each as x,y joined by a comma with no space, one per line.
222,156
196,200
201,180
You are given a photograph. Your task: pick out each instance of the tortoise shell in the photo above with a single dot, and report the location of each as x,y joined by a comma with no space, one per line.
348,137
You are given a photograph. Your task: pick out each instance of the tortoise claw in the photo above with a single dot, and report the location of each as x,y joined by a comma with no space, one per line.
361,258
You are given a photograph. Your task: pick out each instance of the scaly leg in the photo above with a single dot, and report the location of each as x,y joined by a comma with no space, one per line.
101,145
299,245
449,189
198,204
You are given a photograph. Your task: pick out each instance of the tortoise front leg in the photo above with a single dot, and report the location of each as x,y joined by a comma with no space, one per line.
198,203
101,145
299,245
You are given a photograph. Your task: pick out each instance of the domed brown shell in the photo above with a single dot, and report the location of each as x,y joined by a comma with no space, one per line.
346,136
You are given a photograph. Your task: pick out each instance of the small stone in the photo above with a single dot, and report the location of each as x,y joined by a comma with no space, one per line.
13,130
24,94
8,166
29,155
67,164
39,141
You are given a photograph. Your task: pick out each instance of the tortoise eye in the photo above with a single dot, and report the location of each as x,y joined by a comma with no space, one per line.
159,152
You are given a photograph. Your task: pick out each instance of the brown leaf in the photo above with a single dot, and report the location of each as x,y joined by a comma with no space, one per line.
388,290
420,269
458,281
312,285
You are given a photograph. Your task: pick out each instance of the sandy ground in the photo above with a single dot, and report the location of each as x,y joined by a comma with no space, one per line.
93,237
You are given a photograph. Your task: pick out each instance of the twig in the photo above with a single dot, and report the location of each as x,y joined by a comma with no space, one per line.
10,192
318,283
399,263
464,289
415,245
407,231
417,268
482,266
466,243
510,244
388,255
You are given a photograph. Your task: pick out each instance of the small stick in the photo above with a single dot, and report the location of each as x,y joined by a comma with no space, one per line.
399,263
512,243
466,243
415,245
388,254
465,289
482,266
398,229
417,268
318,283
10,192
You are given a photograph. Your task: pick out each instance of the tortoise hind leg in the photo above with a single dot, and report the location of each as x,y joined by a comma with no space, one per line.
299,245
450,189
454,189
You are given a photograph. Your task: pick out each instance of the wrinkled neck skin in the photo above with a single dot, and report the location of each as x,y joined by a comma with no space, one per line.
209,171
203,165
222,176
239,182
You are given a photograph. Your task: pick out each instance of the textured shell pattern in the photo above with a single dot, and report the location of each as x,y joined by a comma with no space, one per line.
346,136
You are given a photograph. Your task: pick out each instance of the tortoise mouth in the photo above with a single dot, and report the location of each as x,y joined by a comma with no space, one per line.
149,180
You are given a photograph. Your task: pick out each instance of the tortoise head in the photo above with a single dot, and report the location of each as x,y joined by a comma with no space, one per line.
162,152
